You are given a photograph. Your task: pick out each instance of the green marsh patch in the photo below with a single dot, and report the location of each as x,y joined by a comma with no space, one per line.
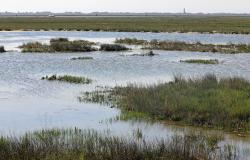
59,45
208,101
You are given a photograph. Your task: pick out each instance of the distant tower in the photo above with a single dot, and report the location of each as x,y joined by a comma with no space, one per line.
184,11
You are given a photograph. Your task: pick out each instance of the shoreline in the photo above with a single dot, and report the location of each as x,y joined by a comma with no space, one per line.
117,31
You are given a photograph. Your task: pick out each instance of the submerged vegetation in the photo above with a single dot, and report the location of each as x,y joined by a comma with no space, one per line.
82,58
80,144
201,24
183,46
2,49
208,101
201,61
59,45
113,47
67,78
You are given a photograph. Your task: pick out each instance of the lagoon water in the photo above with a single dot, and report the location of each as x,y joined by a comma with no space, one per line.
27,103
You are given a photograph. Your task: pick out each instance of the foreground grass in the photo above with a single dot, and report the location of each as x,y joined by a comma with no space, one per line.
201,61
68,78
76,144
59,45
183,46
208,102
202,24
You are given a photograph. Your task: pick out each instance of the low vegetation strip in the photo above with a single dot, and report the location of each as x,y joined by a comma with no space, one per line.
201,24
208,101
77,144
59,45
201,61
183,46
68,78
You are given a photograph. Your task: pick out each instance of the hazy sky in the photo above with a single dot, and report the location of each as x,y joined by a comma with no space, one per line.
232,6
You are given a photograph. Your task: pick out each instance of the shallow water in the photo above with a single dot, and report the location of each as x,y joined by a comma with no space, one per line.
28,103
13,39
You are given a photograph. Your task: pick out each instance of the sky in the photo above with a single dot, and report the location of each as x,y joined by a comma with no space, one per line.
174,6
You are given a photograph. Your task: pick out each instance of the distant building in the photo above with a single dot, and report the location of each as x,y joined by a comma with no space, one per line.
184,11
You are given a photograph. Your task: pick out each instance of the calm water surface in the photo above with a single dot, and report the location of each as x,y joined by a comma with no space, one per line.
27,103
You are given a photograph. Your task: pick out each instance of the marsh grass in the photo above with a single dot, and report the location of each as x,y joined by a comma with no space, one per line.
77,144
113,47
59,45
2,50
208,101
201,24
82,58
201,61
68,78
183,46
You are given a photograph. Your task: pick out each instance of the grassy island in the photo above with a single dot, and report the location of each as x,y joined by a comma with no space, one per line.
184,46
59,45
208,101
